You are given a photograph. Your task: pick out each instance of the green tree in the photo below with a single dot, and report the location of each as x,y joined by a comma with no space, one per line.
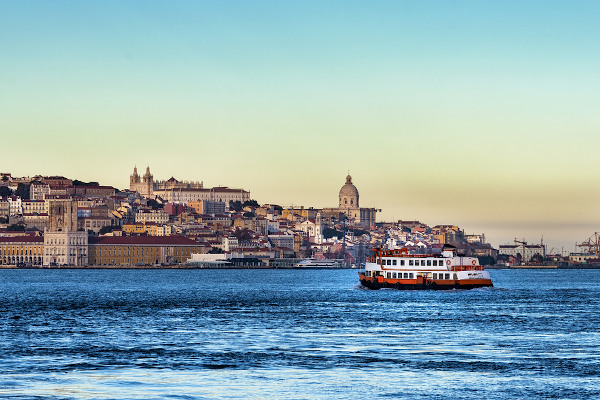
328,233
107,229
235,205
251,203
16,227
5,191
22,191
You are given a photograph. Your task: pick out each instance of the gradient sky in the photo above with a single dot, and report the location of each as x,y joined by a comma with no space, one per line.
479,114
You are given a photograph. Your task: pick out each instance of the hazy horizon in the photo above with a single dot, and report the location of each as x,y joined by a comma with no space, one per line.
478,114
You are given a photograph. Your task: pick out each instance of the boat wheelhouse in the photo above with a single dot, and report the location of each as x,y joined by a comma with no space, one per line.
401,270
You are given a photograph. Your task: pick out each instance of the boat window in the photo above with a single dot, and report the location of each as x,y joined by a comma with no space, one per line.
389,275
434,276
394,275
411,262
410,275
435,263
401,262
393,262
447,276
429,263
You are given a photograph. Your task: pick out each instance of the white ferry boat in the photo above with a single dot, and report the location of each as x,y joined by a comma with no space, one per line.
313,263
401,270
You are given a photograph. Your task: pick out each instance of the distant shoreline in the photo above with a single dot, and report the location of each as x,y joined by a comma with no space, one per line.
166,267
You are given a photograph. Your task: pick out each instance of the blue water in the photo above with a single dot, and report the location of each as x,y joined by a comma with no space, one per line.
289,334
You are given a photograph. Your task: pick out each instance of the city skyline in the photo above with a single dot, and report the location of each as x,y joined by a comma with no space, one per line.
481,115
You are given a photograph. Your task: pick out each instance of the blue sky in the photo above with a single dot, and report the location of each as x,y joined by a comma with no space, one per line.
480,114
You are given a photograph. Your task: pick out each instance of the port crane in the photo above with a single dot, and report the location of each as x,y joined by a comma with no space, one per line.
592,243
523,244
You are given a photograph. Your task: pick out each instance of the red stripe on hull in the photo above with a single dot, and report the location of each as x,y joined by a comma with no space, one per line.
420,284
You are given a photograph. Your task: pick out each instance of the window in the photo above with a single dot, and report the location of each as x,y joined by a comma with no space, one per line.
410,276
429,263
411,262
389,275
434,276
447,276
393,262
394,275
401,262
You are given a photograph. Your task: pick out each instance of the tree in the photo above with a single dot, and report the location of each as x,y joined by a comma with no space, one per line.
235,205
16,227
249,215
328,233
243,234
22,191
5,191
216,250
251,203
107,229
154,204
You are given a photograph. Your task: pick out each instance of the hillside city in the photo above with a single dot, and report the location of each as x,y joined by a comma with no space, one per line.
54,221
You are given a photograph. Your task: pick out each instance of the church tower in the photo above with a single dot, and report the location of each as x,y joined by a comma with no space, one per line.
134,179
143,185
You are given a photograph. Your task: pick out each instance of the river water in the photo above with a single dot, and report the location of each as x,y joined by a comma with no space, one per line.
290,334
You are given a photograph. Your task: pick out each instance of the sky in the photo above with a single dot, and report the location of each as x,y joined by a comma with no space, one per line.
478,114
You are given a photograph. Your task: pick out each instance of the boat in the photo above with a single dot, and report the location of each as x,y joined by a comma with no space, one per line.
313,263
401,270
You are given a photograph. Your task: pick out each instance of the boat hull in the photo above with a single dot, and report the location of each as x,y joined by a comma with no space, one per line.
419,284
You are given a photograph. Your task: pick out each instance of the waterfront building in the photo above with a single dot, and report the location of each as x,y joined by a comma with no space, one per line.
63,243
141,250
527,252
24,250
281,239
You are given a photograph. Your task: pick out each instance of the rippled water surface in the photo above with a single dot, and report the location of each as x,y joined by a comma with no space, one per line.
217,334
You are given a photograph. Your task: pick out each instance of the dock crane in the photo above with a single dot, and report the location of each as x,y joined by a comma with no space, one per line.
523,244
592,243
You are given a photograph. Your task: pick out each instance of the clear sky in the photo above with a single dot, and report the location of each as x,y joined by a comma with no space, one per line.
474,113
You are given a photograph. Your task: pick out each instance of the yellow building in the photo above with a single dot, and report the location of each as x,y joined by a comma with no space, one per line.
16,250
141,228
293,214
141,250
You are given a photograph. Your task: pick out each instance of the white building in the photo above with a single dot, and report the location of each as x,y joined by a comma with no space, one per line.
65,248
156,216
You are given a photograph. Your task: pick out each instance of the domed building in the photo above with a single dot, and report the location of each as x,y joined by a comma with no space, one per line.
349,206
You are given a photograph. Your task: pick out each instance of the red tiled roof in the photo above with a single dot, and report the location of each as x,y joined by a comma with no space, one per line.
22,239
143,240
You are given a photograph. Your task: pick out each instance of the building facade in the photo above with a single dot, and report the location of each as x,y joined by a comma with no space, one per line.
141,250
23,250
63,243
348,206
